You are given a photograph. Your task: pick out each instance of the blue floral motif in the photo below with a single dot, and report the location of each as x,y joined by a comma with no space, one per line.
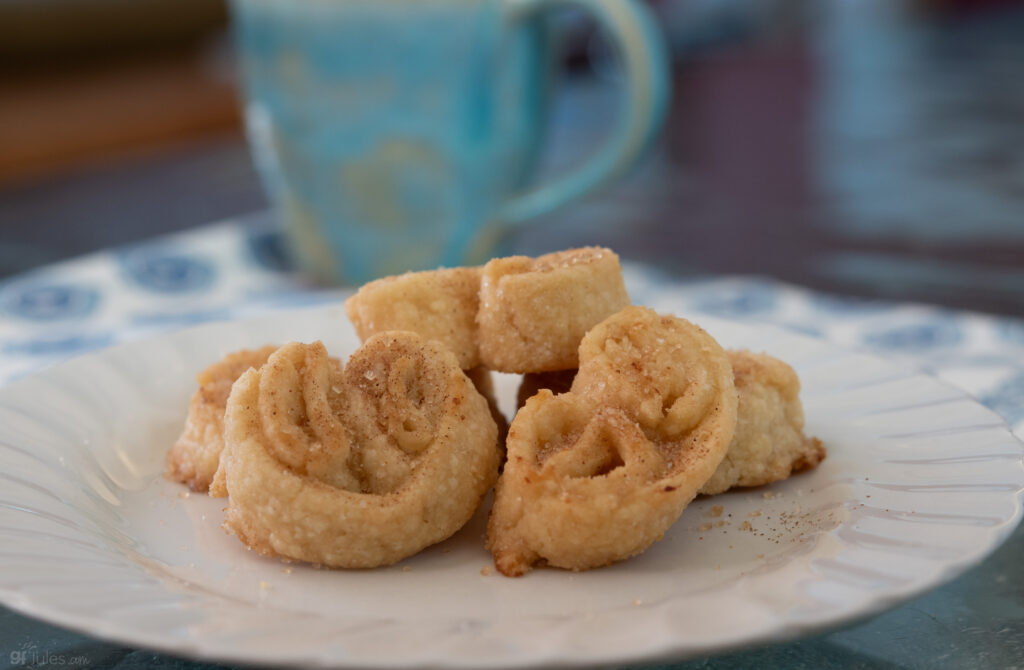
49,302
845,305
1007,399
1011,331
268,249
63,345
167,271
738,301
803,328
916,337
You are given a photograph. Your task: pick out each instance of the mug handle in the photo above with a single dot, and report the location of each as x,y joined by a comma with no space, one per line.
630,26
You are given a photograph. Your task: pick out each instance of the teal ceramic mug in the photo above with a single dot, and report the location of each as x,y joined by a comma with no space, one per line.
397,135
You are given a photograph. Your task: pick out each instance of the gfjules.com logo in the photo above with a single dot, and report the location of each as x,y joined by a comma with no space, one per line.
29,654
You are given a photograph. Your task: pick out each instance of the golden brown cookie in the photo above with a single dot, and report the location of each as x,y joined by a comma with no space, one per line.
356,467
769,444
535,311
195,456
438,304
597,474
515,314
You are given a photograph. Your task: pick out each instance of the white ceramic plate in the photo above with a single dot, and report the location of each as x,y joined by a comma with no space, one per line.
920,483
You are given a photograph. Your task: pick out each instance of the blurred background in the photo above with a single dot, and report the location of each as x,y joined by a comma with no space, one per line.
868,147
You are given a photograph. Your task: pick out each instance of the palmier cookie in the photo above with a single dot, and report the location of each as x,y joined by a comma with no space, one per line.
195,456
535,311
515,314
356,467
439,305
597,474
769,443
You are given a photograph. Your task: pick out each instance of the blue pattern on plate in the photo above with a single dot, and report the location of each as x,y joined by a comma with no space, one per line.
268,250
805,328
846,305
1007,399
738,301
167,271
233,271
66,345
1011,331
916,337
48,301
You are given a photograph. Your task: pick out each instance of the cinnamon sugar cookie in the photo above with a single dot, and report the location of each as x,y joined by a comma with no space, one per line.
535,311
195,456
597,474
515,314
439,305
769,444
356,467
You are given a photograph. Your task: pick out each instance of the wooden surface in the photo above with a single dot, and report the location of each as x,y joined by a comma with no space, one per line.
80,114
